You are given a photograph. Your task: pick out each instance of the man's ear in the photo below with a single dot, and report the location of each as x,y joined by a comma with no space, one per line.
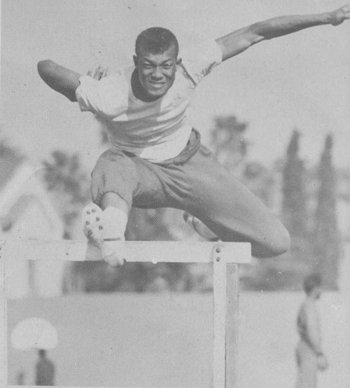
135,60
179,61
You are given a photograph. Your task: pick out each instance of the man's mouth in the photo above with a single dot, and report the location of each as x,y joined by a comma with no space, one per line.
157,85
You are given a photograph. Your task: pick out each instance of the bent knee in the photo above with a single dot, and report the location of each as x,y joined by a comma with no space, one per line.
283,242
280,241
274,243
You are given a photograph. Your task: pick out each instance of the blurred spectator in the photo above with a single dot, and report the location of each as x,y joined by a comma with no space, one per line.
44,370
309,354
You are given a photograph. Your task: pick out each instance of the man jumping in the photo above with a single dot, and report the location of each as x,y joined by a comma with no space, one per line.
156,159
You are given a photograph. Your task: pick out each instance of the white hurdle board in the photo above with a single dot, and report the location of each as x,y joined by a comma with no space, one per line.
225,256
133,251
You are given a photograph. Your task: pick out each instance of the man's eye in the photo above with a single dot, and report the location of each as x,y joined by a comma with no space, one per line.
166,67
147,66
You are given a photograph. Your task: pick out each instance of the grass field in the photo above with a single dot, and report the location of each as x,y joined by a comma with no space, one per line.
166,340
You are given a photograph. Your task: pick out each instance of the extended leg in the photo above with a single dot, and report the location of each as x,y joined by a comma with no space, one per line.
229,209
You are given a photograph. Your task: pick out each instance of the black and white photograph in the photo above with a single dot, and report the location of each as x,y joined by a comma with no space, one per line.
175,193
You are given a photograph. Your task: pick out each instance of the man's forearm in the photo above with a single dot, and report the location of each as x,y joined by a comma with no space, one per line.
237,41
283,25
59,78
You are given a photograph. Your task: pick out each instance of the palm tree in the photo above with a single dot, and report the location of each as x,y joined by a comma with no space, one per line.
67,181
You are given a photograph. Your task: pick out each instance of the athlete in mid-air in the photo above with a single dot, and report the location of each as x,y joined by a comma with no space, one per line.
156,158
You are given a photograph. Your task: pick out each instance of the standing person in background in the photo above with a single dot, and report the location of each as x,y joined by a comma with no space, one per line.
309,354
44,370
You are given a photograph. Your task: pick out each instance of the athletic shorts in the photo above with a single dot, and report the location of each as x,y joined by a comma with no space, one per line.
195,182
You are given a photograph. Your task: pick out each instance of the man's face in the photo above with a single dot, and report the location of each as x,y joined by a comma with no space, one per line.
316,293
156,72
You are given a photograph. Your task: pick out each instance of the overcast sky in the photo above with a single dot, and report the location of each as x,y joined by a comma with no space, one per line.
299,81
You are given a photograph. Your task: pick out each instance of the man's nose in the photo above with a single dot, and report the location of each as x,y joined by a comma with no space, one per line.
157,73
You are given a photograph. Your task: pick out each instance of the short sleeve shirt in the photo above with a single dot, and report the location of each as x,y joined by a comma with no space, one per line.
157,130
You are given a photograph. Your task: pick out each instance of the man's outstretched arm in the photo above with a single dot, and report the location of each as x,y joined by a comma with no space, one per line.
59,78
240,40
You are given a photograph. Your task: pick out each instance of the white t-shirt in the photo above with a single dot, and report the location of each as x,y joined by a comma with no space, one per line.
157,130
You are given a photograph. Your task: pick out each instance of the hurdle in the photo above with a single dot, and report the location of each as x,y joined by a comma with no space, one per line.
225,257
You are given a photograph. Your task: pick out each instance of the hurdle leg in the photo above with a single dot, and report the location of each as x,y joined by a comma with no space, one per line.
226,322
219,351
3,315
232,324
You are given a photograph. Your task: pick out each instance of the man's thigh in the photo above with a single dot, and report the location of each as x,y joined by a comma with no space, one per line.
133,179
224,202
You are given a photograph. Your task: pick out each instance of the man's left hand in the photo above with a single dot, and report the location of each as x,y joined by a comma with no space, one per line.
339,15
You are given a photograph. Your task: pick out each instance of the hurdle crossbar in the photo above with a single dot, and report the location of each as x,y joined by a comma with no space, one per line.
133,251
225,257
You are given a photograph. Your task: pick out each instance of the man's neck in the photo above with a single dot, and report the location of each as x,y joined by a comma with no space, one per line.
138,90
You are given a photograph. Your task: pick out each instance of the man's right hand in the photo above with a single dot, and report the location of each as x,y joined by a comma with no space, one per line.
98,73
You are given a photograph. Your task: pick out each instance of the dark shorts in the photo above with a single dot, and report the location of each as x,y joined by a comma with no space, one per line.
196,182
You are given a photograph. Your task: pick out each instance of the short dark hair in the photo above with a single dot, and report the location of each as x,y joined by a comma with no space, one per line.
312,281
156,40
